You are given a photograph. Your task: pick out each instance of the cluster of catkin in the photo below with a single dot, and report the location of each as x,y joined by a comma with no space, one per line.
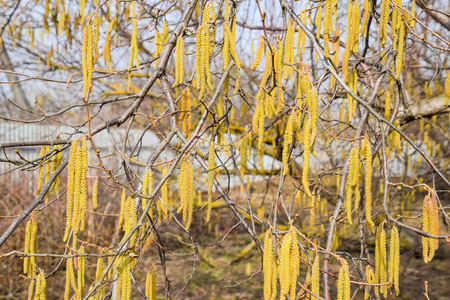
76,188
353,180
186,191
203,49
161,39
123,289
128,216
430,224
41,286
90,52
400,20
52,164
343,283
229,44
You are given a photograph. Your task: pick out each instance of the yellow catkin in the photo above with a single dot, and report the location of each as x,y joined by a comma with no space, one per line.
26,259
186,190
70,279
211,167
394,259
179,61
370,277
447,90
288,136
96,37
295,263
380,260
306,154
47,172
94,194
90,56
430,224
150,285
147,186
258,53
83,189
355,27
399,58
165,187
41,171
70,187
158,47
107,46
285,262
365,21
315,277
81,270
352,181
318,21
31,289
327,26
268,266
84,59
55,165
122,207
368,187
385,4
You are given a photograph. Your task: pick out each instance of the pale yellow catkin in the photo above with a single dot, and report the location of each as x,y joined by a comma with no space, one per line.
306,154
285,262
83,188
399,57
81,270
295,263
385,4
259,52
268,266
315,277
147,186
368,187
447,90
150,285
41,171
288,136
94,194
122,207
344,282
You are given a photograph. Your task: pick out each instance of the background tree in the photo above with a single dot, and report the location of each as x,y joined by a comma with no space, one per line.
307,140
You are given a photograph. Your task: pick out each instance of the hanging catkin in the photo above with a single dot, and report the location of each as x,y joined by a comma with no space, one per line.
385,4
285,262
147,186
288,136
150,285
447,90
315,277
179,61
94,194
368,186
186,190
352,181
269,267
259,52
306,154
